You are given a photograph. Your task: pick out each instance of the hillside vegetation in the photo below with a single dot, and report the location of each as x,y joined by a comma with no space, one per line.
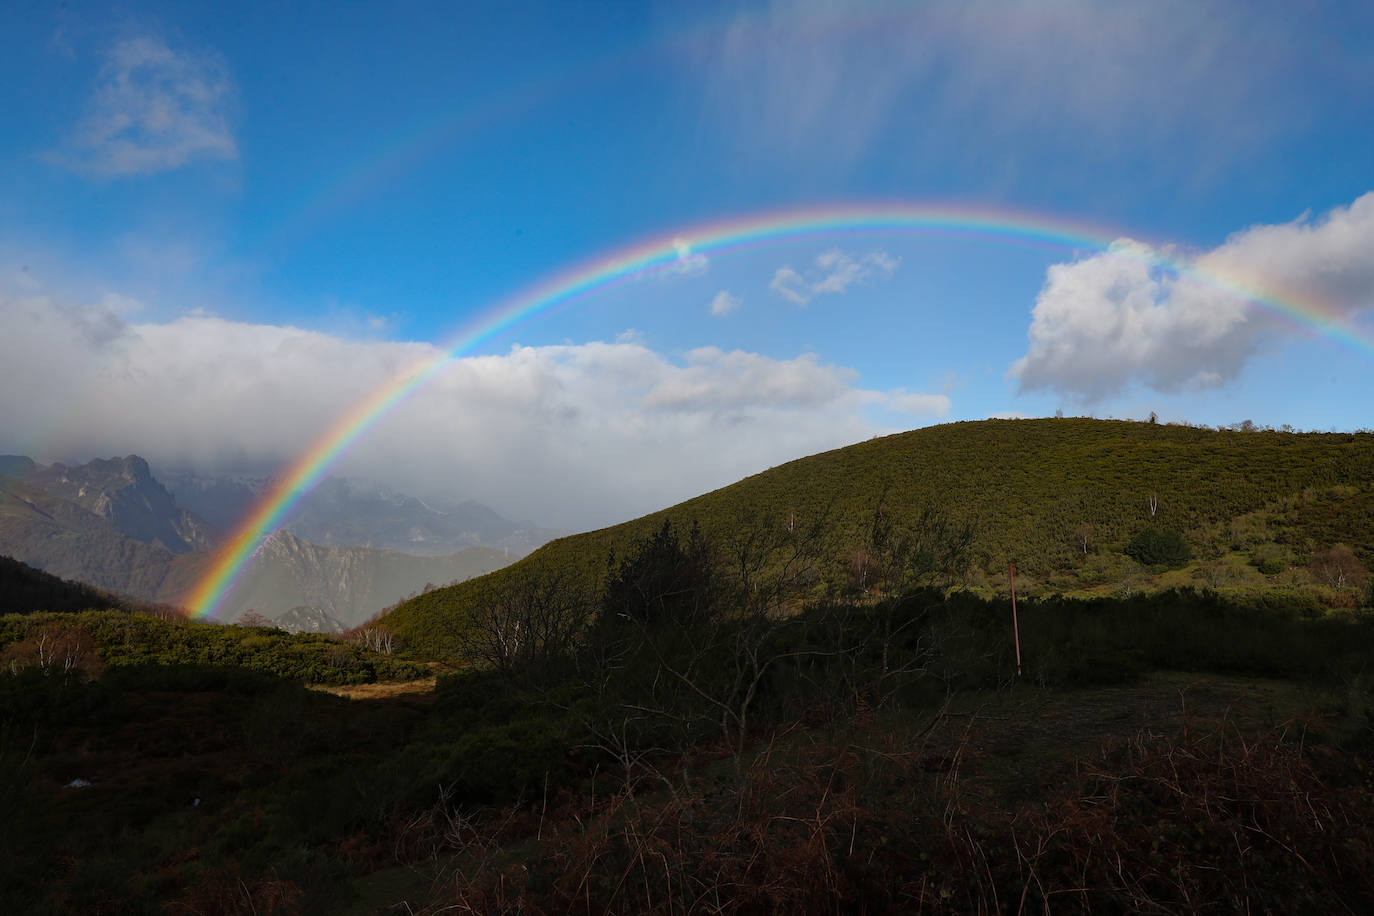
24,589
798,694
93,640
1061,498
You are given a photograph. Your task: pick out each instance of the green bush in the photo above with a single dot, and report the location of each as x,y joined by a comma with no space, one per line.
1153,547
122,639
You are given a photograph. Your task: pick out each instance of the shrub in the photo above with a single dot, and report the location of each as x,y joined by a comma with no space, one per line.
1153,547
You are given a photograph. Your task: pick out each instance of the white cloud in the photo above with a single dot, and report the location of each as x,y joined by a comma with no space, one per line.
153,109
687,263
715,380
790,285
573,435
834,273
724,303
1105,322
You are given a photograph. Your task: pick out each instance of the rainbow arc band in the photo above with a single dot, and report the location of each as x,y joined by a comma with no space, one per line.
661,253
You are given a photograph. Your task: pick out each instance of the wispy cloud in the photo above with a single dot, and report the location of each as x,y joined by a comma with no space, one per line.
807,84
153,109
834,273
724,303
1105,322
688,262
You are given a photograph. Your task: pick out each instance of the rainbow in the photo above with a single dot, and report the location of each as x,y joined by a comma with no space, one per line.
661,254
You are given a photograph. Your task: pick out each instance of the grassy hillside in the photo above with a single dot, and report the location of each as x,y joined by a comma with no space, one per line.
1060,498
24,589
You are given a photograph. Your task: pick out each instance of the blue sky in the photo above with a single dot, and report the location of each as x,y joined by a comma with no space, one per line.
219,227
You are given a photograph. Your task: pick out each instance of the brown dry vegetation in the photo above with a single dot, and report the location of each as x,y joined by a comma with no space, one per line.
1022,803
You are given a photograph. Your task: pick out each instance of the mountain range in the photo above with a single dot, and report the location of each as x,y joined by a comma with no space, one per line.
353,512
112,524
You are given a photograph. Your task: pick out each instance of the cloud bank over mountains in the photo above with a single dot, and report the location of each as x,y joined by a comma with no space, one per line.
1106,322
571,435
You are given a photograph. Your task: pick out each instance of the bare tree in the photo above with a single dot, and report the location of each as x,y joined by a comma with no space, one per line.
526,621
769,561
252,618
375,636
1153,502
1083,536
54,647
1338,567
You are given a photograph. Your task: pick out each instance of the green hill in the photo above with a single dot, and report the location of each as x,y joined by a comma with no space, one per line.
1061,498
24,589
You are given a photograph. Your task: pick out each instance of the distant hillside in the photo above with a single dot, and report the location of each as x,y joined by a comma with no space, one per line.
112,525
66,539
124,492
1056,496
347,512
24,590
350,584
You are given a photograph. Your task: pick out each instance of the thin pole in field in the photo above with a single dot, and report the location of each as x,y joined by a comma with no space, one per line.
1015,628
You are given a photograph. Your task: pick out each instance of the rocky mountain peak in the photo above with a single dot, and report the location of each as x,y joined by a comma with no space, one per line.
309,619
124,492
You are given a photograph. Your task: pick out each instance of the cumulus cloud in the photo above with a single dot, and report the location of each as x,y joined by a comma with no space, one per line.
154,109
833,274
724,303
573,435
1170,321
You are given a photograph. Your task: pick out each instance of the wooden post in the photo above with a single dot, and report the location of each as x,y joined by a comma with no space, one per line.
1015,627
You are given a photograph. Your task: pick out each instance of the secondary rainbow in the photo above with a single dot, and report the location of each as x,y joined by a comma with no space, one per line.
661,253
